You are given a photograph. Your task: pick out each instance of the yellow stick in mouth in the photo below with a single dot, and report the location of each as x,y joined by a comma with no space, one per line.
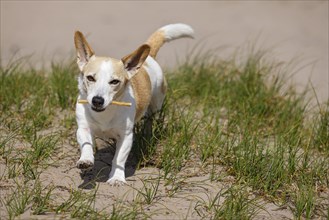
127,104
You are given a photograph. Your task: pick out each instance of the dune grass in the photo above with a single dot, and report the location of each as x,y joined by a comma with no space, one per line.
228,118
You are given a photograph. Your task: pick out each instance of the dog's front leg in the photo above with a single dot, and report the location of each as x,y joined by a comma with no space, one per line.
85,141
123,147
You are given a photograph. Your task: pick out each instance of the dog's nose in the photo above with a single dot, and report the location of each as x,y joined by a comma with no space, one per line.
98,101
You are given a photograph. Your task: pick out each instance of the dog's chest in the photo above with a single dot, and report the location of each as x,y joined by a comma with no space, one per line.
107,123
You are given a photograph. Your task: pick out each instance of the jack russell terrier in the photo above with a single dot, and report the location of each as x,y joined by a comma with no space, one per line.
137,78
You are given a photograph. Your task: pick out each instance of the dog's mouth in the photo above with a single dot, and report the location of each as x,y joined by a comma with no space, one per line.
97,109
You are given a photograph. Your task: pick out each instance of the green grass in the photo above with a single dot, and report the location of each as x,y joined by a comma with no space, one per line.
28,193
79,205
231,204
226,118
254,126
148,193
321,129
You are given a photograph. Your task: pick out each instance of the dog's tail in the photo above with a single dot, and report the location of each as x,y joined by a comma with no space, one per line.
168,33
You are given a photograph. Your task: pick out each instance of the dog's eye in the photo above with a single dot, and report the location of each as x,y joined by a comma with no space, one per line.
114,82
91,78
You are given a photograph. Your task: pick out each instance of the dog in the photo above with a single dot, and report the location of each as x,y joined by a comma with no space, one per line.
136,78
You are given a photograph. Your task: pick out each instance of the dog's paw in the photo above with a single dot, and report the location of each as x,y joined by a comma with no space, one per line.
116,181
85,164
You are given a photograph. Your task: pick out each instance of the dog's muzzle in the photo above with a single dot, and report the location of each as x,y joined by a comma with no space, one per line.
98,104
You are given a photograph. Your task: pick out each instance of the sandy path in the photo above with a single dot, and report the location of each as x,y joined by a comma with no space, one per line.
294,29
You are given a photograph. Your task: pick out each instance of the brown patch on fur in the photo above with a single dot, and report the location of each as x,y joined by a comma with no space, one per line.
95,64
135,60
156,40
142,91
83,48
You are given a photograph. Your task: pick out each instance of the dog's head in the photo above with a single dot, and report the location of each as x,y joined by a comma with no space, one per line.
104,79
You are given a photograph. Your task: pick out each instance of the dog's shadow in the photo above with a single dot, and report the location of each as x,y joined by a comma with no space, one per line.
145,137
102,166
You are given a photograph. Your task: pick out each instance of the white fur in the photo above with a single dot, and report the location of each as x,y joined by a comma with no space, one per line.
156,76
175,31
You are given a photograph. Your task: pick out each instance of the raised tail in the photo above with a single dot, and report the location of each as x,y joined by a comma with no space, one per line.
168,33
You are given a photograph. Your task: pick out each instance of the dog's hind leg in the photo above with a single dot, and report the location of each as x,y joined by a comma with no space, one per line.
148,126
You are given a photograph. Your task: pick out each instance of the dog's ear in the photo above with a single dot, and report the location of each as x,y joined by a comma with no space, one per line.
135,60
84,51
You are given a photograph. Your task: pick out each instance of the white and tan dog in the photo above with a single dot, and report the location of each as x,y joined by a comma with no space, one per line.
136,78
